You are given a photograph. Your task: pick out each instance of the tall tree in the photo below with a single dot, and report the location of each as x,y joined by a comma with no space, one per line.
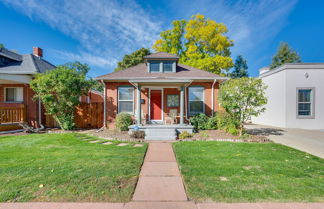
200,42
60,89
132,59
243,98
285,54
240,68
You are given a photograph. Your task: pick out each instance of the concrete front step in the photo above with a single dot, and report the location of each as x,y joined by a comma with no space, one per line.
160,134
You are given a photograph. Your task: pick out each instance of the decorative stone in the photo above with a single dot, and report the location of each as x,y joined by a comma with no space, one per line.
138,145
122,144
95,141
107,143
223,178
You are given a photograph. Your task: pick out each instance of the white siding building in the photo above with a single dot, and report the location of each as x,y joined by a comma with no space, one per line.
295,96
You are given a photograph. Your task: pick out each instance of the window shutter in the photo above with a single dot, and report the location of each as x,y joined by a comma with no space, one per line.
19,94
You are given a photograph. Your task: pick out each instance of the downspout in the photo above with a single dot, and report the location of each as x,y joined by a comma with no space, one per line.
40,114
105,108
213,96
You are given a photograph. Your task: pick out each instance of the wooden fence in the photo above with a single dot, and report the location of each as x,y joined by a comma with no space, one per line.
86,116
12,115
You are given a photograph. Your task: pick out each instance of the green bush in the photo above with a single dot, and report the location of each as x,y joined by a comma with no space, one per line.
227,123
212,123
204,135
123,120
199,121
185,135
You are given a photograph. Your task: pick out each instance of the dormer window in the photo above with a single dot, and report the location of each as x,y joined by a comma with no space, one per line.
154,66
167,67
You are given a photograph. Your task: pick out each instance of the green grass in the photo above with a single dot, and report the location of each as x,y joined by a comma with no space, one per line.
254,172
62,167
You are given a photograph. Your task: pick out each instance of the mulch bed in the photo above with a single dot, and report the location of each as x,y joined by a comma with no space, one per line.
220,135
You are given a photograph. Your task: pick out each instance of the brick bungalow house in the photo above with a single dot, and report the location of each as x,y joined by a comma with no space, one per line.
160,93
16,71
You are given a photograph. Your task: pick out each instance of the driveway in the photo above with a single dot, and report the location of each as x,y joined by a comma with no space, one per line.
311,141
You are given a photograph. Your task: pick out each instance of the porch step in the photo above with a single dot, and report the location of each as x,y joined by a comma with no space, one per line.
160,134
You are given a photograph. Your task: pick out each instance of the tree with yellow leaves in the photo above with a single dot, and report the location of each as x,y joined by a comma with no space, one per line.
200,42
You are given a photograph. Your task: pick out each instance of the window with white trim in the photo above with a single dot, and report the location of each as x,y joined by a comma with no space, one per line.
305,102
196,100
154,67
14,94
126,99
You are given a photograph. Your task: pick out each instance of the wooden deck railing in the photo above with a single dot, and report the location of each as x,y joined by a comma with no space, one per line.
11,115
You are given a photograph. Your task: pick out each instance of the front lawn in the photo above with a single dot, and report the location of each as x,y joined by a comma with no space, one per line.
249,172
67,167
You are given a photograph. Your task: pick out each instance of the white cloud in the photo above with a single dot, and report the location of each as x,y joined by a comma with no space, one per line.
105,29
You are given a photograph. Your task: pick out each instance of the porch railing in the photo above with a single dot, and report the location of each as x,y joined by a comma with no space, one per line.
12,115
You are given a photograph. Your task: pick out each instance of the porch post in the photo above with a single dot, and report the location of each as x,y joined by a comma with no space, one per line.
138,105
181,104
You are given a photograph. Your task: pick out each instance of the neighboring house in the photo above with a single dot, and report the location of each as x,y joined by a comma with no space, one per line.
169,91
295,96
16,71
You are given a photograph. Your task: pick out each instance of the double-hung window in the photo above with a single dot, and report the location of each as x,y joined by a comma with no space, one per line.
126,99
14,94
196,100
305,102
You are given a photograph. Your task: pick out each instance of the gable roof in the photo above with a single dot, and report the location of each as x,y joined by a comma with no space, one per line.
161,55
24,64
140,72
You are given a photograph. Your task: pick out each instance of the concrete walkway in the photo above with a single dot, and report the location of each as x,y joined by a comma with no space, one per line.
310,141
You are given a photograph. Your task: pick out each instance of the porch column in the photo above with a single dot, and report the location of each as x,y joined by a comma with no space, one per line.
181,104
138,105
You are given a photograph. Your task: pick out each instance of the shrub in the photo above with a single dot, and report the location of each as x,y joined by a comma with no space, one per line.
227,123
199,121
138,134
123,120
184,135
212,123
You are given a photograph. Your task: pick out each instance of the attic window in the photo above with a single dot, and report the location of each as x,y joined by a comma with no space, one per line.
155,67
167,66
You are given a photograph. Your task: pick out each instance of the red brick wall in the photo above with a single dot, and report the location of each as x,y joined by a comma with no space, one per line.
31,106
112,91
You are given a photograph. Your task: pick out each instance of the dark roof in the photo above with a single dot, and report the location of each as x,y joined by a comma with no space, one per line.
24,64
161,55
10,55
140,72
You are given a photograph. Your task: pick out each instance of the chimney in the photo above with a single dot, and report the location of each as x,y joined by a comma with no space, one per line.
38,52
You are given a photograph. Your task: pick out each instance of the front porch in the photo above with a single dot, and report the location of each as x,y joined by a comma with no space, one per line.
161,131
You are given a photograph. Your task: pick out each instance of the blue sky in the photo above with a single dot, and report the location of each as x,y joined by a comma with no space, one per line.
100,32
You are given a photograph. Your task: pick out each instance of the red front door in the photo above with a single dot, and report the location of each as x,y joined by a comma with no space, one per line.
156,105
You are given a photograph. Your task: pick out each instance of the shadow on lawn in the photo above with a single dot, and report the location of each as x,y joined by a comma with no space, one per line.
265,131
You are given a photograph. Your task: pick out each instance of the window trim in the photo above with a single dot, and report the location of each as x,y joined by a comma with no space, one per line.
203,100
312,115
132,100
15,94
